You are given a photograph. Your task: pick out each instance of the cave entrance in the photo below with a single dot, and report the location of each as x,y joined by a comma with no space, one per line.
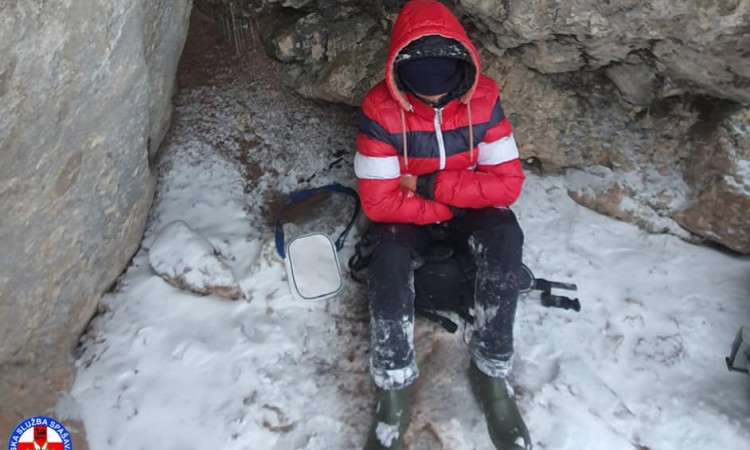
222,48
230,95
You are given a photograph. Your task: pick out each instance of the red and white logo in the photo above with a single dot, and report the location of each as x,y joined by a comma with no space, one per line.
40,433
40,438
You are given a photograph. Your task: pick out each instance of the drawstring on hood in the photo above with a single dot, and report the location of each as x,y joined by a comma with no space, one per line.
471,133
403,135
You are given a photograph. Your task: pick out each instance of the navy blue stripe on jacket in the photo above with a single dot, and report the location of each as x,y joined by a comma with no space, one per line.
423,144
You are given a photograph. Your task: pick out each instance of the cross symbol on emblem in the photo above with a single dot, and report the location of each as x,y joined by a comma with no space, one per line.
40,437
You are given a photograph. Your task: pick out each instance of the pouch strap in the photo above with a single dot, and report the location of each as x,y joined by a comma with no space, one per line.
303,194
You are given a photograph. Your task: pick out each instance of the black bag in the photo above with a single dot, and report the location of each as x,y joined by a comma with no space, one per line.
445,282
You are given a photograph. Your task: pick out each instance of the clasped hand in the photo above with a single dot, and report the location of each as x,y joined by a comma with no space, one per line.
410,182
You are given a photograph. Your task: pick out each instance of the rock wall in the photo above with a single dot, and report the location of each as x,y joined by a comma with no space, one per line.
85,100
627,97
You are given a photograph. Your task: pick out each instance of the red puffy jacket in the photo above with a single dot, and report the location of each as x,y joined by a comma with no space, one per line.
469,140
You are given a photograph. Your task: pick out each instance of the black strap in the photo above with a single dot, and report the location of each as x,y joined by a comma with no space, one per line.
449,325
304,194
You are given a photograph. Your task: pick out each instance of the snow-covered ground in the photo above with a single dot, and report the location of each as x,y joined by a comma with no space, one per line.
640,367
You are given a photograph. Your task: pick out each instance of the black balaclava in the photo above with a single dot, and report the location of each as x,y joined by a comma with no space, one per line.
431,76
433,65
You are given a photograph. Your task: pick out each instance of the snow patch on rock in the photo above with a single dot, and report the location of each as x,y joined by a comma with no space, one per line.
185,259
643,196
740,181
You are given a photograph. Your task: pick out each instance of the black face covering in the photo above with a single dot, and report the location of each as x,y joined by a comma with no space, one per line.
434,65
431,76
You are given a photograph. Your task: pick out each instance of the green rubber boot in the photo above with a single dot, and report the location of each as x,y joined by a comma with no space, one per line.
504,422
391,420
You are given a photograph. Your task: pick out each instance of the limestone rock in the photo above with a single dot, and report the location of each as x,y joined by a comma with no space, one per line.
608,200
650,51
552,57
719,214
697,43
304,41
720,178
537,109
637,82
558,126
336,61
643,197
84,104
186,260
720,69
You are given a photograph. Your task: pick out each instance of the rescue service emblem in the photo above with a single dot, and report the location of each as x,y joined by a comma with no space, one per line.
40,433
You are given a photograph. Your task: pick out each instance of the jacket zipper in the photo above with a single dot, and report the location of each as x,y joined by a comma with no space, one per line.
439,133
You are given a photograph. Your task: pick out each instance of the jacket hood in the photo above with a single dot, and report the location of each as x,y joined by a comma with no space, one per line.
418,19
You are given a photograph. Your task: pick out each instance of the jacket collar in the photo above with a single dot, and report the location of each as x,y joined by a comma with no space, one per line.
426,111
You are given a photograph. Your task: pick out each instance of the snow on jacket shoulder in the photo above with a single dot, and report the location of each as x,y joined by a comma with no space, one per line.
464,152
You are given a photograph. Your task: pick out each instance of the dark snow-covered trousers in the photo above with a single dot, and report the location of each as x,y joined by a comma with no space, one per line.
494,240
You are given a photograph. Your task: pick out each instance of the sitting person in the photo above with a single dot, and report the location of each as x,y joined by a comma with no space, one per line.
435,147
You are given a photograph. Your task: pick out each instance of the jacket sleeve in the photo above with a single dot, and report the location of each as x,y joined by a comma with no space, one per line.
378,172
498,178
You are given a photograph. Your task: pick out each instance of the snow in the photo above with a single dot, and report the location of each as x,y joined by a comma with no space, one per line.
386,434
640,365
642,187
180,253
394,378
740,181
743,171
